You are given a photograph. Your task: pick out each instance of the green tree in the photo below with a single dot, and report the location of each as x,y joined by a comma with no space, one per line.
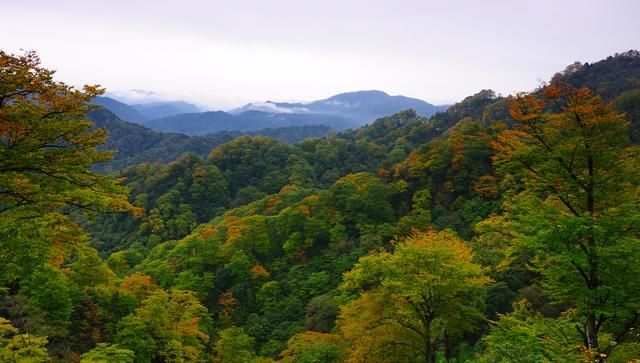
87,270
311,347
578,208
528,337
21,348
257,162
363,198
234,346
420,215
428,291
629,103
168,325
106,353
321,314
48,293
134,334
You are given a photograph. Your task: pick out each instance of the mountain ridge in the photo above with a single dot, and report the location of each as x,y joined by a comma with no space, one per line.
155,110
203,123
362,106
341,111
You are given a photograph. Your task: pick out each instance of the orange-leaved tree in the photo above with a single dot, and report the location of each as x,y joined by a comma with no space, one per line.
47,148
577,207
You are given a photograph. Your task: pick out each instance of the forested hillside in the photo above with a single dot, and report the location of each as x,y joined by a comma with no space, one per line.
203,123
136,144
504,229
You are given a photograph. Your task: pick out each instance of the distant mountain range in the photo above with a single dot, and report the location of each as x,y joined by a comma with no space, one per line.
155,110
342,111
143,112
361,106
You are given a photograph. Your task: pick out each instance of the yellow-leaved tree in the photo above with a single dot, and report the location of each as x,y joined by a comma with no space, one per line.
413,301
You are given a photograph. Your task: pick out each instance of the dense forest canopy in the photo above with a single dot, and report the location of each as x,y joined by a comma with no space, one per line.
504,229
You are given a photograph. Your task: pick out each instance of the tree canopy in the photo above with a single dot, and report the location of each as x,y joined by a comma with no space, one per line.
577,208
426,293
504,229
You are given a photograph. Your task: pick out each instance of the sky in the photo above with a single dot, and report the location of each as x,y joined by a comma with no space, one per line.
223,54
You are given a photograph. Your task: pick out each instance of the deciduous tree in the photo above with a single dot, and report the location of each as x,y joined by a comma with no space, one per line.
427,292
577,206
47,149
47,145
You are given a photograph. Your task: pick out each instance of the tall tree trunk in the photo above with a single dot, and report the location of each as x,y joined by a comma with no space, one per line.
592,333
593,283
429,353
448,349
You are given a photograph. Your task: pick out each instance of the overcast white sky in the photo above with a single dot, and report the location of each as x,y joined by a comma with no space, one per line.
226,53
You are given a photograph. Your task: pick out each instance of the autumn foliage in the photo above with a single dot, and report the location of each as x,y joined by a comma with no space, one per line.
500,229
